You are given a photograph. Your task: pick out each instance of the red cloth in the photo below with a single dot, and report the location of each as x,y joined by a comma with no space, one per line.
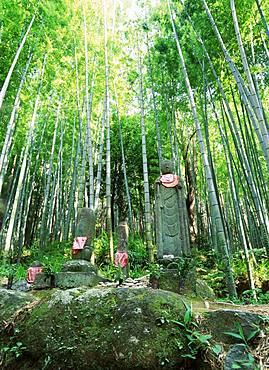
169,180
32,272
121,259
79,242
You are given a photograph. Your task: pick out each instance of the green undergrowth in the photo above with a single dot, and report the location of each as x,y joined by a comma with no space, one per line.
206,262
137,257
212,271
52,257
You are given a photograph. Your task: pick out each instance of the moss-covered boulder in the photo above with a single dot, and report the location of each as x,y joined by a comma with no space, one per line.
84,328
232,321
11,301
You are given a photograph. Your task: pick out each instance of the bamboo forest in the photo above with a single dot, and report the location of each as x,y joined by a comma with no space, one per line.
134,196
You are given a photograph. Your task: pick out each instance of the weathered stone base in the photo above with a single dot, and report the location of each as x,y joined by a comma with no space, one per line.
43,281
238,358
171,280
76,279
79,265
75,273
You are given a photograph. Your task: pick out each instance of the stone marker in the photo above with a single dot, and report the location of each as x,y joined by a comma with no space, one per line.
79,271
84,234
43,281
33,270
121,257
171,220
227,320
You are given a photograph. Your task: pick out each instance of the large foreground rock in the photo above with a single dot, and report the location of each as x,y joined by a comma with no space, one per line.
115,328
11,301
84,328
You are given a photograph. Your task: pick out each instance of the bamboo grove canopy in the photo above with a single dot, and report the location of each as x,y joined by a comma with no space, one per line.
94,94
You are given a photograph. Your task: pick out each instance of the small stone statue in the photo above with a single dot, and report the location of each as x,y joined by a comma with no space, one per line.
121,257
33,270
84,234
171,219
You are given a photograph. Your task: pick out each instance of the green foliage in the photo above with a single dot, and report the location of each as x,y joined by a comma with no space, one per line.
14,348
53,256
137,257
194,341
111,272
240,334
101,249
16,271
137,252
210,268
154,270
262,298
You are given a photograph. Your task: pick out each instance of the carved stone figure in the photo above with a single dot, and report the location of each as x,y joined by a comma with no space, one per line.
84,234
121,257
171,219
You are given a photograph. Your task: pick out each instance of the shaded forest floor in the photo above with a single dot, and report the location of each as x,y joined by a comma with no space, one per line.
259,309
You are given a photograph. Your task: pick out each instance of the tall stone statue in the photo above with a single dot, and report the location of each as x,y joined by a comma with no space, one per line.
171,219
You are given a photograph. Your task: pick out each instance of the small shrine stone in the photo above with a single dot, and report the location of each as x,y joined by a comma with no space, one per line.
43,281
67,279
78,266
85,229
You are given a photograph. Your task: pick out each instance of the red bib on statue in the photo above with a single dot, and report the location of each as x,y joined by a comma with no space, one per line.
32,272
79,242
121,259
169,180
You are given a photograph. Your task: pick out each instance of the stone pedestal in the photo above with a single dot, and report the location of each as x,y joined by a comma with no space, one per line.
187,284
43,281
75,273
169,280
67,279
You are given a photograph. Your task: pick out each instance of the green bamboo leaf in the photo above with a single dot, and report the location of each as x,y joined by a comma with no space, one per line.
187,316
235,335
217,349
236,366
193,357
178,323
252,334
204,338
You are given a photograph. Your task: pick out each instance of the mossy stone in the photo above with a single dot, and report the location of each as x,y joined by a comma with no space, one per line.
76,279
43,281
11,301
238,358
79,266
169,280
221,321
105,329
